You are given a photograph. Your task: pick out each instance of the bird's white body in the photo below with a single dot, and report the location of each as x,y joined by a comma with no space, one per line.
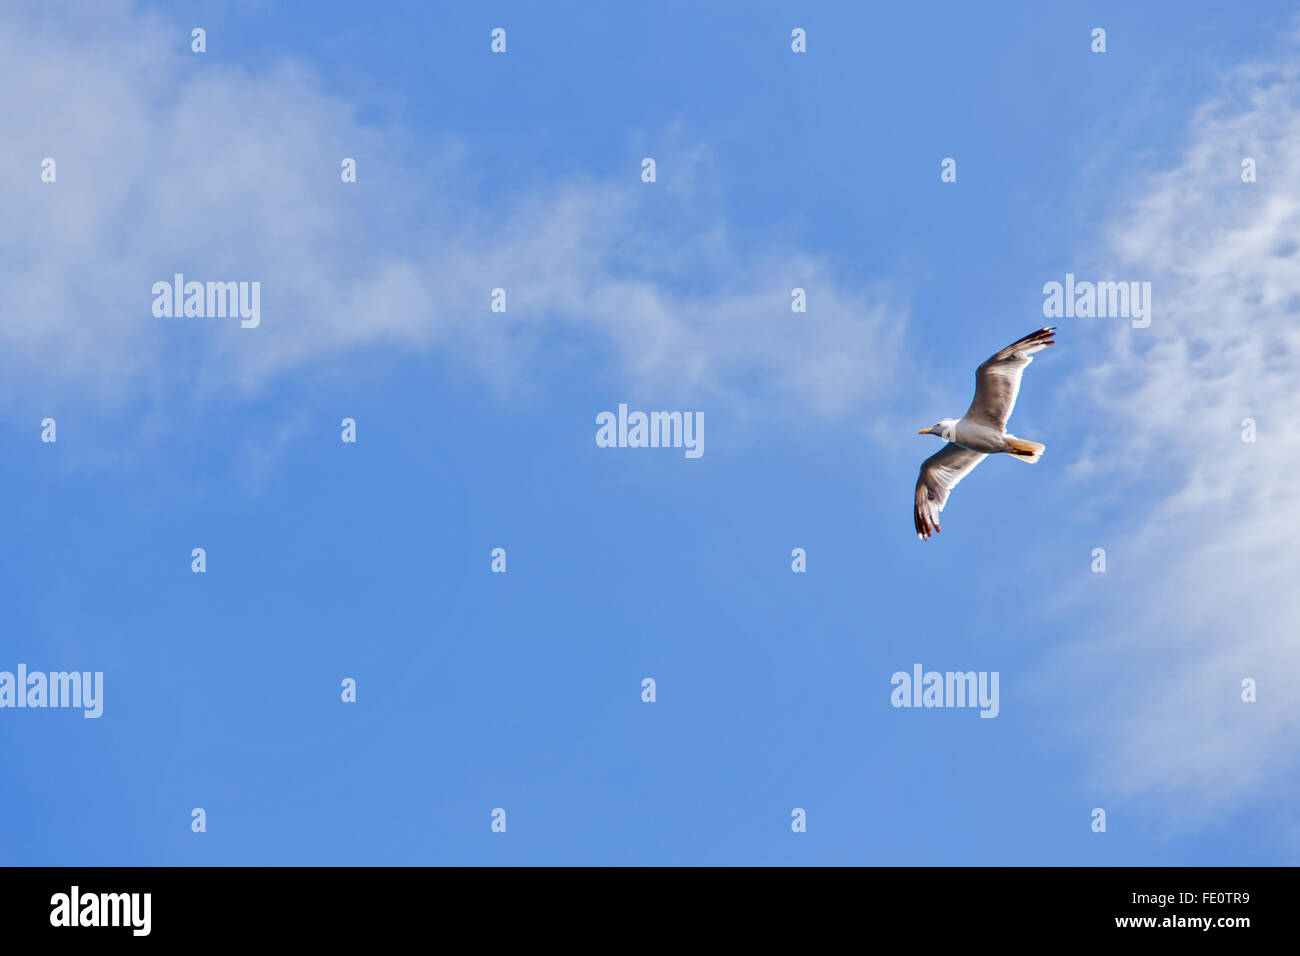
978,436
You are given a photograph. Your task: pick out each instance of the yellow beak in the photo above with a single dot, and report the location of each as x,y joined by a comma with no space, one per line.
926,431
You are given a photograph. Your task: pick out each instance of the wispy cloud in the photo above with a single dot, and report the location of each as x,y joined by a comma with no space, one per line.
1207,565
174,162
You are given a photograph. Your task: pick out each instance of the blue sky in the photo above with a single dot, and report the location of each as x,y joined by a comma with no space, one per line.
476,430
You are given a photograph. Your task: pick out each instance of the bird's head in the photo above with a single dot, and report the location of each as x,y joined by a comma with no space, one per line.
944,428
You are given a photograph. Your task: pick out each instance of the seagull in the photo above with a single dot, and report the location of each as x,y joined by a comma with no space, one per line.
981,432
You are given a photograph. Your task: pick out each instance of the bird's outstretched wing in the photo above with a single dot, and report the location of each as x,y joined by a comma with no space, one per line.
997,380
939,475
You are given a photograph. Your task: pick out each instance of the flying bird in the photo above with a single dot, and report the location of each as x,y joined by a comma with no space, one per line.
981,432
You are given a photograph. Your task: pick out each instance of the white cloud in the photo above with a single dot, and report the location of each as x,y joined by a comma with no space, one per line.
1208,565
174,162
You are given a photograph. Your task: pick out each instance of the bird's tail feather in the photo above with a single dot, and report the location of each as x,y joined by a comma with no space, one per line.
1026,451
